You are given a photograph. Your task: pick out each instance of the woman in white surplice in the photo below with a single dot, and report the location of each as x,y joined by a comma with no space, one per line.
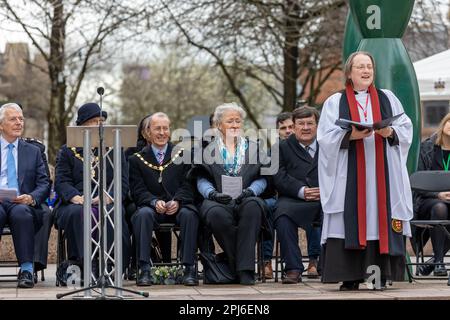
364,184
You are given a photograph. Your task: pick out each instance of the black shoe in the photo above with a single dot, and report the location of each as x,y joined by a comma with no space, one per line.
439,271
427,268
349,286
190,276
26,280
145,279
247,278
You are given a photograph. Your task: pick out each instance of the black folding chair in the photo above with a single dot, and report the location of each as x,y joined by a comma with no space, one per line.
427,181
260,258
157,254
61,250
14,264
13,277
279,263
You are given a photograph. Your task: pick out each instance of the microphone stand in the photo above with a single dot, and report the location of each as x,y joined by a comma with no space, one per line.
103,281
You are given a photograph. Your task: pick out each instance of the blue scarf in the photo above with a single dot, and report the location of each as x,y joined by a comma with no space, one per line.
232,164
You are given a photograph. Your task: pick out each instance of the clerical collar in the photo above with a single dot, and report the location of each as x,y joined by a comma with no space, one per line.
360,91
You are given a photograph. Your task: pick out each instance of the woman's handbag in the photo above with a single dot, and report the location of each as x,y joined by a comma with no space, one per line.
216,269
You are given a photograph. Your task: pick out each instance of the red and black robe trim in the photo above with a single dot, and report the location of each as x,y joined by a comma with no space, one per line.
355,196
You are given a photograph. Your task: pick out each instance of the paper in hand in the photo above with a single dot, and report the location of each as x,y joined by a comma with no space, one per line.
347,124
8,194
232,186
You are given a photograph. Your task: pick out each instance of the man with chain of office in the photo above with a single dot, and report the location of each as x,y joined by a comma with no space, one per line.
69,187
162,194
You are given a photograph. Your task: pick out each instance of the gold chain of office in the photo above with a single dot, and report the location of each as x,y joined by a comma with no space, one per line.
78,156
159,168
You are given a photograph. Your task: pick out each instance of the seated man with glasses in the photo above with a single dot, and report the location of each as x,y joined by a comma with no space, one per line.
298,202
23,171
162,194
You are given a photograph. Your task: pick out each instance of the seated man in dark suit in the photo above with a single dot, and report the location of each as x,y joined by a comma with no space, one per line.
162,194
22,169
298,202
69,187
42,235
164,239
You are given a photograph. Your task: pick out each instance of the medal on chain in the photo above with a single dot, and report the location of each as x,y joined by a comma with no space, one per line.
159,168
94,160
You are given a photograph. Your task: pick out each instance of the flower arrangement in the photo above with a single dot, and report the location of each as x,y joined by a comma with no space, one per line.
167,275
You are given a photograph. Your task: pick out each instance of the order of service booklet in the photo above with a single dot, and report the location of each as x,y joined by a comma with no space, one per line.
347,124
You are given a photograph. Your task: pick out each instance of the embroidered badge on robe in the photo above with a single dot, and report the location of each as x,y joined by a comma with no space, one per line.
397,225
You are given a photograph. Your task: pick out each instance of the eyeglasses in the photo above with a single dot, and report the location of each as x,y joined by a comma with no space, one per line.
362,67
304,124
158,129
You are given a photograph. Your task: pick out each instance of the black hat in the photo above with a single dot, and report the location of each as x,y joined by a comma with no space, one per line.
88,111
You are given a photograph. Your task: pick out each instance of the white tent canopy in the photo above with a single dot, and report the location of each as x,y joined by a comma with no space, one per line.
430,71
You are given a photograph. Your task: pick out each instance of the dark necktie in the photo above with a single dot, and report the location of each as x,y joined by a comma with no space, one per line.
309,151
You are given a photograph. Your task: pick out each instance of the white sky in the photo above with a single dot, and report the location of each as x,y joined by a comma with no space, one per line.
11,33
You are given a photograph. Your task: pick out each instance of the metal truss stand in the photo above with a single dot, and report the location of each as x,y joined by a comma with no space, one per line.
100,249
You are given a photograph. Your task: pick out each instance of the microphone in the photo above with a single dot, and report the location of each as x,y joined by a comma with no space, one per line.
100,90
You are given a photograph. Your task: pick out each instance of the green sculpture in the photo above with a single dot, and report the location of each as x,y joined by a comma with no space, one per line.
381,24
352,38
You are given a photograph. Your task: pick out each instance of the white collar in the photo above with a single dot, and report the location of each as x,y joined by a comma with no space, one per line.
312,145
5,143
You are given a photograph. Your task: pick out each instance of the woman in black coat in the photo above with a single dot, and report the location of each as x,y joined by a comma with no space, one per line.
234,216
435,155
69,187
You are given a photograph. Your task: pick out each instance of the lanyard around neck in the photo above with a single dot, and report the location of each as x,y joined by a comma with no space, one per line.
364,110
445,163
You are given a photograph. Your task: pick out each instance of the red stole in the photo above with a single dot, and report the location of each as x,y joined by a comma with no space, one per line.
361,173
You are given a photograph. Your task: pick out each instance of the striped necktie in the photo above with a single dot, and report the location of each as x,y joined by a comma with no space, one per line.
160,157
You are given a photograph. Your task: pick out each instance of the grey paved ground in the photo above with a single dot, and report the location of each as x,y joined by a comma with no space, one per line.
309,289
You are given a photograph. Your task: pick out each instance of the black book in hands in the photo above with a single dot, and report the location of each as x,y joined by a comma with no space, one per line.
347,124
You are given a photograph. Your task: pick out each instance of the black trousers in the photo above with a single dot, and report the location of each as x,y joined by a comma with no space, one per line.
164,238
146,220
70,219
20,218
236,229
41,238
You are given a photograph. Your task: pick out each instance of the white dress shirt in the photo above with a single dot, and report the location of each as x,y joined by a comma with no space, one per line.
3,173
312,152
